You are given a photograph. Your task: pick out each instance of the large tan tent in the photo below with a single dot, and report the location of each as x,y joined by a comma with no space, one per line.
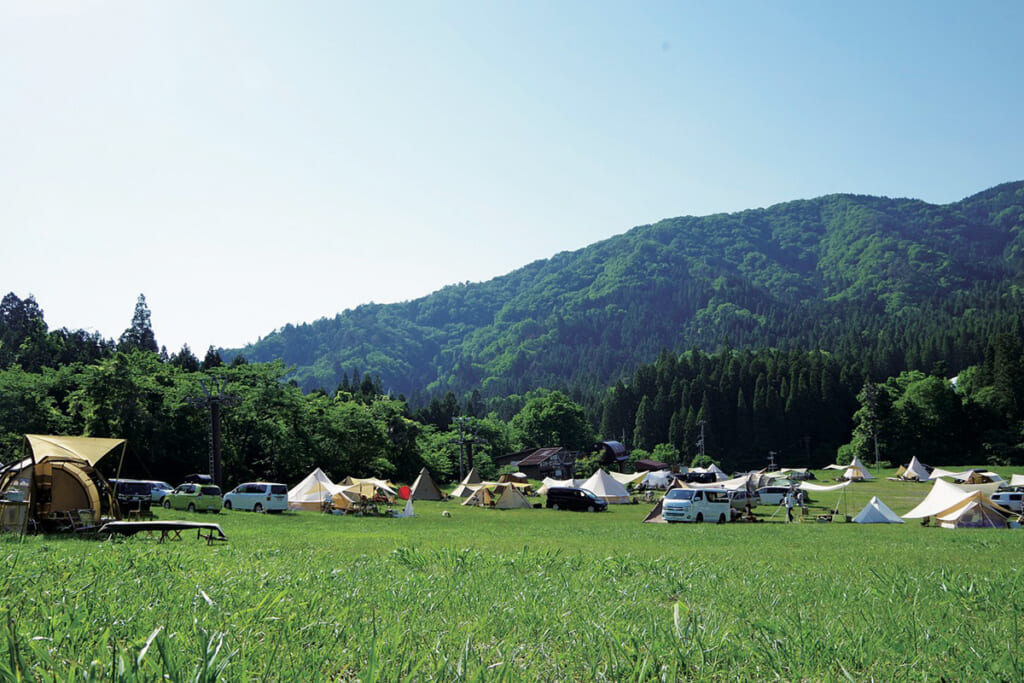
56,487
310,493
603,486
551,483
424,487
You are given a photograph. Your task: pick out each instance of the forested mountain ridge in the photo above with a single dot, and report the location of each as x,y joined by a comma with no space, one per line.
899,282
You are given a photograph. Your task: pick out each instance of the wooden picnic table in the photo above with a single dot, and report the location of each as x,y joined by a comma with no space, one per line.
169,529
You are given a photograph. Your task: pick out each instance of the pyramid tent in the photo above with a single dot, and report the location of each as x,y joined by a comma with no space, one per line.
877,512
974,510
915,471
468,485
424,487
856,471
603,486
309,494
655,516
510,497
481,497
407,510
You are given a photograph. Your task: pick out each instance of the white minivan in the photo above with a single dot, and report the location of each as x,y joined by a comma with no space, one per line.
696,505
258,496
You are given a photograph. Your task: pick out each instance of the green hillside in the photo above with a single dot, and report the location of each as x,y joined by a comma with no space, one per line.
895,283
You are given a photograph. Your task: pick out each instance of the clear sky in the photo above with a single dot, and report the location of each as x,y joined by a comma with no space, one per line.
249,164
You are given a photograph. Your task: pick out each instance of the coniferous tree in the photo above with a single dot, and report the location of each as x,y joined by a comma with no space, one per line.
139,337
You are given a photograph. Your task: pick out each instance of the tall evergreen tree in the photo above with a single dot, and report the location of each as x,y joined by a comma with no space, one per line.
139,337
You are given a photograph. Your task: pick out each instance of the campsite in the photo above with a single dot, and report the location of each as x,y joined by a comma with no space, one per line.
493,594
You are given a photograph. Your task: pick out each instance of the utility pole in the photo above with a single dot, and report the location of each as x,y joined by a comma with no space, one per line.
771,461
700,441
213,398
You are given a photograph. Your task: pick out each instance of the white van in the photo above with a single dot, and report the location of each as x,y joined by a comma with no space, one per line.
1011,500
697,505
258,496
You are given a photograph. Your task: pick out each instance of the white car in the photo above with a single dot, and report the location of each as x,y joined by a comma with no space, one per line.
772,495
158,489
696,505
1010,500
258,496
740,498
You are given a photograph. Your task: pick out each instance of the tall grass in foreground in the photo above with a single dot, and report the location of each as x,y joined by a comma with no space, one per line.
532,594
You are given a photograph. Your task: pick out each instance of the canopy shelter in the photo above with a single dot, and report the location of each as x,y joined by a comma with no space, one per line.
914,471
424,487
352,481
711,469
877,512
311,492
840,500
602,485
56,485
551,483
468,485
627,479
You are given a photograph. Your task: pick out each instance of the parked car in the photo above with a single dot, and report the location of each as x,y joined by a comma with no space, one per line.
194,497
158,489
739,499
132,494
1010,500
258,496
697,505
570,498
771,495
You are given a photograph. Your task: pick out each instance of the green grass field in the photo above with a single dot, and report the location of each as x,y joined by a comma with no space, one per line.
521,595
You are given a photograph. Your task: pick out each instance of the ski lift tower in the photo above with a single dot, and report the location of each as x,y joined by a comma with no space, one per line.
213,398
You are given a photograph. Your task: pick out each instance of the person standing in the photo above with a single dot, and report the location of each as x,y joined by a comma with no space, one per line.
789,506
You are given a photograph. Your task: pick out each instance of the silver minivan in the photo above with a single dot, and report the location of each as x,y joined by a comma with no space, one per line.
258,496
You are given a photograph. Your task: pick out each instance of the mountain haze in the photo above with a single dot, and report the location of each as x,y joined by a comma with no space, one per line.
845,273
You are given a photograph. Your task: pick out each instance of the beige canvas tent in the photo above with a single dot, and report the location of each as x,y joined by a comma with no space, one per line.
975,510
56,486
913,471
655,516
877,512
310,493
468,485
511,498
855,471
424,487
627,479
483,496
603,486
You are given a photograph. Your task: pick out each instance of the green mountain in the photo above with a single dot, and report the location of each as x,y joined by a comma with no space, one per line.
898,283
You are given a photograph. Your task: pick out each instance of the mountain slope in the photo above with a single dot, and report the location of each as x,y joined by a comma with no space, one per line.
819,273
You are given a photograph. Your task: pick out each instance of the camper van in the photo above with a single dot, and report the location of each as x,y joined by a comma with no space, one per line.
697,505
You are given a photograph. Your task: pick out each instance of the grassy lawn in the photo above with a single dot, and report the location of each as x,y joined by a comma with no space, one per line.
522,594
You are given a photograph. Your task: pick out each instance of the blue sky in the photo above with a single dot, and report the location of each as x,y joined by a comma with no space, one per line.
249,164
